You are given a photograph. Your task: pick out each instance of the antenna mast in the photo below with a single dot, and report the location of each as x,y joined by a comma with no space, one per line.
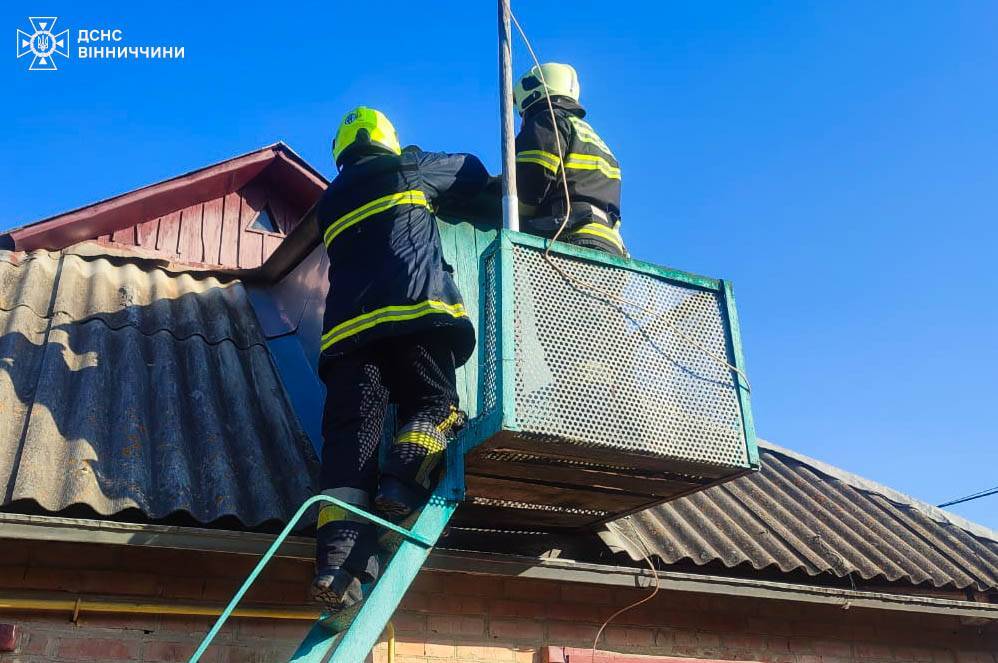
510,203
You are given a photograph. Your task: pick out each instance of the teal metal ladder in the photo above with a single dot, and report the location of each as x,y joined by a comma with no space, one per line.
348,637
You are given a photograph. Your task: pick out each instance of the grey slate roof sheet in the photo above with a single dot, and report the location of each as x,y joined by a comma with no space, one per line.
22,336
122,294
135,388
26,281
793,517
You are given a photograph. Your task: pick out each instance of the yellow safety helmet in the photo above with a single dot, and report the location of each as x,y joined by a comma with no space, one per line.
365,126
561,79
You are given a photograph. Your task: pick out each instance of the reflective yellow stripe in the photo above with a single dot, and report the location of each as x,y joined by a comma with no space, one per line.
434,447
389,314
451,419
334,513
541,158
587,134
599,230
376,206
539,162
434,451
592,162
429,442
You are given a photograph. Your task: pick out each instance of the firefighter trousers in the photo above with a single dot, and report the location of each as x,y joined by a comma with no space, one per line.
416,373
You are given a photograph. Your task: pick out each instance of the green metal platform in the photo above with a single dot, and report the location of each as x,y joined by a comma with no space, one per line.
592,409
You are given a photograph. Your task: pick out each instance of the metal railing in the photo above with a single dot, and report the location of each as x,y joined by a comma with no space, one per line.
275,546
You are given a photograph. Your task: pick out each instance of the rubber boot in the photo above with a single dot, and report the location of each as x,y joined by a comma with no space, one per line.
388,541
397,499
345,559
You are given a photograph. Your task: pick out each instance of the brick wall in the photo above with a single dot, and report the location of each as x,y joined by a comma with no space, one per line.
446,617
451,617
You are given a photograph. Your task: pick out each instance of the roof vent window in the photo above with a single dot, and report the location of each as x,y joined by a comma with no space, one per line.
264,222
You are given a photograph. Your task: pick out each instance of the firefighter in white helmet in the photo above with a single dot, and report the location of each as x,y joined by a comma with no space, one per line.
584,159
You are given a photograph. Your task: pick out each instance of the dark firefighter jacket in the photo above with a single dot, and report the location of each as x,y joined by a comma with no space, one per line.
591,169
387,274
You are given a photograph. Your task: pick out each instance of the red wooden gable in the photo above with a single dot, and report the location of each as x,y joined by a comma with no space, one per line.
216,232
206,217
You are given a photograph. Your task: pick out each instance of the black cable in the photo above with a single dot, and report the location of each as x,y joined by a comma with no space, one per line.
975,496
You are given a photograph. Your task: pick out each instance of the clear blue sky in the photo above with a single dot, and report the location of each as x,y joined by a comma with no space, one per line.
838,161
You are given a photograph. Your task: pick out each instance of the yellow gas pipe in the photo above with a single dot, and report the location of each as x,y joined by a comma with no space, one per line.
76,605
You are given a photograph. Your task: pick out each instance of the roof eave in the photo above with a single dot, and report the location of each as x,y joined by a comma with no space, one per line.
74,530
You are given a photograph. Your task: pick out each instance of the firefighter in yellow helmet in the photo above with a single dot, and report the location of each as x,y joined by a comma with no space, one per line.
395,330
590,167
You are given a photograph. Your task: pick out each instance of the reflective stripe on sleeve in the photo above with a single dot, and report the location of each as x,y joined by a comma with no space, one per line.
376,206
541,158
379,316
592,162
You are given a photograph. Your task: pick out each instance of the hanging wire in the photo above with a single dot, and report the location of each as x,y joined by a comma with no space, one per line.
968,498
583,284
654,574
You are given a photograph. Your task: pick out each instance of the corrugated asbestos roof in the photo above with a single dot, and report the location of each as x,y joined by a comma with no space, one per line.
124,386
793,516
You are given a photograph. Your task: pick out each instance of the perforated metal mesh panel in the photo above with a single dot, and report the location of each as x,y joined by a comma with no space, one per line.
527,506
489,336
599,374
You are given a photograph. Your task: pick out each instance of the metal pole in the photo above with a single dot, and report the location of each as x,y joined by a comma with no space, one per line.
510,203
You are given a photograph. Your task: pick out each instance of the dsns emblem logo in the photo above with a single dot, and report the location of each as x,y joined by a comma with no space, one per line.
43,44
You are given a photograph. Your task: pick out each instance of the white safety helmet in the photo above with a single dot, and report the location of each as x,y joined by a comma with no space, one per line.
561,79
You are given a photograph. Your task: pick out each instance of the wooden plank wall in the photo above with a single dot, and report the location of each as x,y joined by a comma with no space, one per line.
463,246
214,232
